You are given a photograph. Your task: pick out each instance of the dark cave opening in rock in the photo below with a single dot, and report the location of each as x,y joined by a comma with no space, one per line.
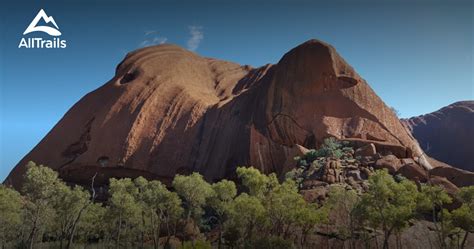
128,77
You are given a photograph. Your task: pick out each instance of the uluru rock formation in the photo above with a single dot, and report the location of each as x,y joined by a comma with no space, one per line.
447,134
168,110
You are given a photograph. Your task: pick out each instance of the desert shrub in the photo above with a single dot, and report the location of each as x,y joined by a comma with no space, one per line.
331,147
313,168
296,175
312,155
349,150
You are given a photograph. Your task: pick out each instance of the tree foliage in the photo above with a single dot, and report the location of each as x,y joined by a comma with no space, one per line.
331,147
195,191
41,186
258,184
463,217
124,210
341,204
433,200
11,204
388,205
262,212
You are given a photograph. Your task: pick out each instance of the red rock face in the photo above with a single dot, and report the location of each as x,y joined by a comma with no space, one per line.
169,111
447,134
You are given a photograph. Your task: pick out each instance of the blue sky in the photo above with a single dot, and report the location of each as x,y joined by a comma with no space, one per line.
417,55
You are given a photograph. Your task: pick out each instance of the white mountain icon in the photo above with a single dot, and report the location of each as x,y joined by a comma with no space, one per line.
49,30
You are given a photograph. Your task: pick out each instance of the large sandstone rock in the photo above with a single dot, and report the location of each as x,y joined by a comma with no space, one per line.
383,148
331,172
413,172
447,134
366,150
459,177
168,110
389,162
444,183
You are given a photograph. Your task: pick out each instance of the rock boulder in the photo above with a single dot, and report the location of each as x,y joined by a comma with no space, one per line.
389,162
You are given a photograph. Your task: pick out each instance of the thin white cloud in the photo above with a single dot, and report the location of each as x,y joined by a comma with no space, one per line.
152,38
196,37
150,32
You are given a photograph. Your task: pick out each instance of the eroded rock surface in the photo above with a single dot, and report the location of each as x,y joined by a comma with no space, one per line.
168,110
447,134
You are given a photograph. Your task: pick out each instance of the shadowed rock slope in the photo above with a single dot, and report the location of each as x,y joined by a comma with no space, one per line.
447,134
168,110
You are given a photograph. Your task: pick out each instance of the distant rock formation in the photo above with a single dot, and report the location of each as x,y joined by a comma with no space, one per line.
169,111
447,134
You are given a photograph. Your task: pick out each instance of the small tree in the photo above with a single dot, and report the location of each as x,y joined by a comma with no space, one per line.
341,204
40,186
11,205
308,217
160,207
433,199
68,205
195,191
463,217
92,225
124,209
246,214
283,204
142,185
388,205
225,192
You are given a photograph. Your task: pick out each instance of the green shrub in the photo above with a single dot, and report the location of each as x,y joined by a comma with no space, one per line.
330,148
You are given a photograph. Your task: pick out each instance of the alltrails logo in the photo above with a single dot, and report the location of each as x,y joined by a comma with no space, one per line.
38,42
